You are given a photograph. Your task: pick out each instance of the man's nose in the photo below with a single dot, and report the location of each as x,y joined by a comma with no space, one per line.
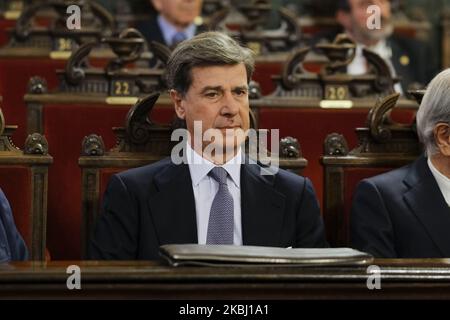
230,105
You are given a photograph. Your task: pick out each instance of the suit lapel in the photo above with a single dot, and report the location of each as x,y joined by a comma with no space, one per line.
172,206
262,208
428,204
402,71
396,53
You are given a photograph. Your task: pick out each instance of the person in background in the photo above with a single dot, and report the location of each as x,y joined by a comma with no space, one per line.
12,246
175,21
405,213
408,58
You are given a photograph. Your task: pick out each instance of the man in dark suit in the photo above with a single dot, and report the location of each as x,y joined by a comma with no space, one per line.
405,213
212,194
175,21
408,58
12,246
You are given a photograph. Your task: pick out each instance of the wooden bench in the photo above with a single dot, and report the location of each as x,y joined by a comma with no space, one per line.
23,178
383,145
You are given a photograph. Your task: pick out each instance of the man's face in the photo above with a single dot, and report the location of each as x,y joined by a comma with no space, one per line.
181,13
218,97
359,17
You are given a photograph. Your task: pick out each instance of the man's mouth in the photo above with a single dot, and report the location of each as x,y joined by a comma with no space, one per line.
229,127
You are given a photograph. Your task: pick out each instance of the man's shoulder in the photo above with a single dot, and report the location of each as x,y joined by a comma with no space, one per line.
290,177
411,45
150,29
277,176
146,172
391,180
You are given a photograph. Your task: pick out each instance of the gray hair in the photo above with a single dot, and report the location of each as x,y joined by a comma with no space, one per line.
434,109
206,49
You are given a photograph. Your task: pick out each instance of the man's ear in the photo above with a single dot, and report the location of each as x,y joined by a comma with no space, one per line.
177,100
442,138
343,18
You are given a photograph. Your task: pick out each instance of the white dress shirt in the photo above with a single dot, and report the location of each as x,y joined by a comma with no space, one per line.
442,181
168,30
359,63
205,189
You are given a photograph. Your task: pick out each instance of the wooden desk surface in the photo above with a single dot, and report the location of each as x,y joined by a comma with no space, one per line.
399,279
87,99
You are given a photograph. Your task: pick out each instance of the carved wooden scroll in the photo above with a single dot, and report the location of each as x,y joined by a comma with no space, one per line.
96,22
290,148
35,144
93,145
383,135
247,22
116,79
332,82
139,134
335,144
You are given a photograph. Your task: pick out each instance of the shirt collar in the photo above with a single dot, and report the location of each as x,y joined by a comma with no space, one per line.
199,167
381,48
169,30
442,181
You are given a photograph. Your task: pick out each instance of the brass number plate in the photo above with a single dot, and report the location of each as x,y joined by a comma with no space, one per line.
336,92
121,88
63,44
255,47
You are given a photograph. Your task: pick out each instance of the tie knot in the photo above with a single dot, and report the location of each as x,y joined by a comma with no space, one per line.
219,174
178,37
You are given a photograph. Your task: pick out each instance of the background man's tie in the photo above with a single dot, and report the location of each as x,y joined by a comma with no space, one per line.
221,217
178,37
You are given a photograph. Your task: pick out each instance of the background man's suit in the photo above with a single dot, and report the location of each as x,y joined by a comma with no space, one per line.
401,214
151,31
421,66
12,246
154,205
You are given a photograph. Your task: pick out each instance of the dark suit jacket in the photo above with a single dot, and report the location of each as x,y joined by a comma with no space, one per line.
151,31
401,214
12,246
422,66
154,205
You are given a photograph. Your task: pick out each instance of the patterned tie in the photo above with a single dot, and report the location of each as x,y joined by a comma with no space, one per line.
221,217
178,37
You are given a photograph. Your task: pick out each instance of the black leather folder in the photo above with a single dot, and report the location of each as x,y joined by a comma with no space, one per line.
220,255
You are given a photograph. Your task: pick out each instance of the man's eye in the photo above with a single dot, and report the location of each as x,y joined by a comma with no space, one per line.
240,92
211,94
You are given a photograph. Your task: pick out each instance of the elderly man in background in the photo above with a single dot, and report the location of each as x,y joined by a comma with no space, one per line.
405,213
